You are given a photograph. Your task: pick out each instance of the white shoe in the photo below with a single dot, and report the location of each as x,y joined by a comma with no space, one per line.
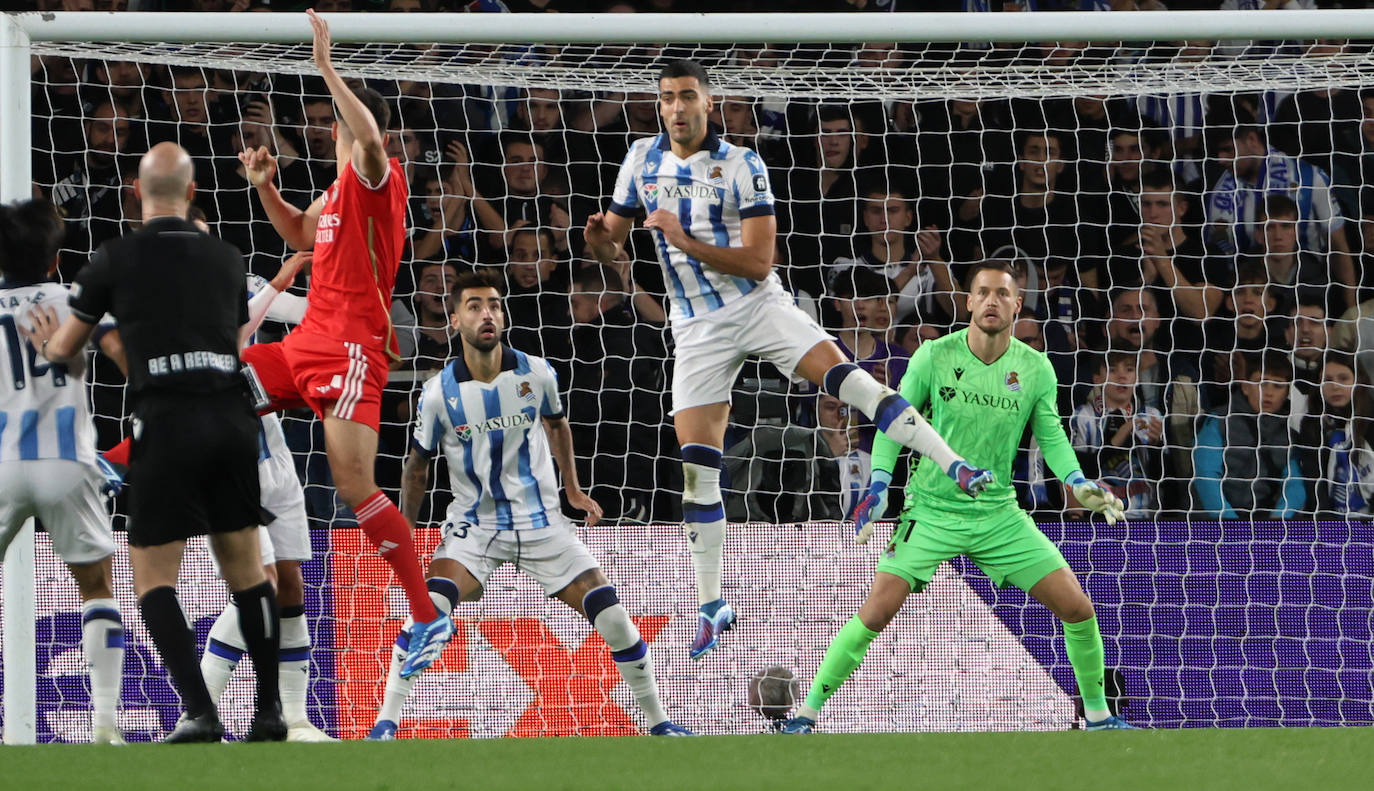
306,732
107,735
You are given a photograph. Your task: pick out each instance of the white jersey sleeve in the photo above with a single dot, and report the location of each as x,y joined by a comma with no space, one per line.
753,193
625,198
430,416
551,405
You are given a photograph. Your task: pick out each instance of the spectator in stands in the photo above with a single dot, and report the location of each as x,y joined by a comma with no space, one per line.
1255,169
1117,436
865,302
451,233
319,136
426,337
1247,325
614,396
1040,219
1336,440
88,195
961,142
1246,464
1307,336
242,221
912,332
1113,190
1291,269
817,206
125,81
525,193
185,119
537,286
915,262
852,463
1315,123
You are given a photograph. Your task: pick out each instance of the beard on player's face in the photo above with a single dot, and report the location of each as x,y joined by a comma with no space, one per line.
479,339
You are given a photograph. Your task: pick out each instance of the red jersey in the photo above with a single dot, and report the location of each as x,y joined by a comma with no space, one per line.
358,243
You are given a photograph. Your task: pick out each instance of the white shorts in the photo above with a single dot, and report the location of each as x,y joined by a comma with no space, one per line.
282,495
551,556
65,496
711,348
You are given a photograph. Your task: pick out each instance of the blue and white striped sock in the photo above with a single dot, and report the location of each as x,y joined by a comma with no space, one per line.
703,515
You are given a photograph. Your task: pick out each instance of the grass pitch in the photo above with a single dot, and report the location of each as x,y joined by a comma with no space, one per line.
1262,758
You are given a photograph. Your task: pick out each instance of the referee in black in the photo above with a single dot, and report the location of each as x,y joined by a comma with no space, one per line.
179,297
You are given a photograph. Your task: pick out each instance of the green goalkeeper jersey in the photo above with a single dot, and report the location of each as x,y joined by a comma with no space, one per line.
981,410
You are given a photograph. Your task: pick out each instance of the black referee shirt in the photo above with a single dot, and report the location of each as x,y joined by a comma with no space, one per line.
179,297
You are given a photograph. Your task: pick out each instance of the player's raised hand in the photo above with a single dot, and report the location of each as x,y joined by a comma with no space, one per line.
596,230
583,502
1097,498
287,274
259,165
667,223
872,506
322,43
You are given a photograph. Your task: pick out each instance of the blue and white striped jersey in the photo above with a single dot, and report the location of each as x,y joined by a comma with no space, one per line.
43,409
1232,208
499,462
712,192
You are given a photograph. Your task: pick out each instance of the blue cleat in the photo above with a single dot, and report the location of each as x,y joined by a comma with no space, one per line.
667,728
1112,723
798,725
383,731
427,641
715,617
114,475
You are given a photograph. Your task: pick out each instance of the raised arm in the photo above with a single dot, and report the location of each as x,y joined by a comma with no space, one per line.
296,227
414,482
369,156
606,233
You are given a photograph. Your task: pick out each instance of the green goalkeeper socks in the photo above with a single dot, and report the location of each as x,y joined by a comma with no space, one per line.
843,656
1083,642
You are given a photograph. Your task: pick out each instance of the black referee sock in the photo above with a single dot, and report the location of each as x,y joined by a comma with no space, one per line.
260,621
176,643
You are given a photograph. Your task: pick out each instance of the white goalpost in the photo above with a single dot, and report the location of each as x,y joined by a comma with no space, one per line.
778,62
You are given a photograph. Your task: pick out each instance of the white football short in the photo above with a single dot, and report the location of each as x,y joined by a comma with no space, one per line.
711,349
551,556
282,495
65,496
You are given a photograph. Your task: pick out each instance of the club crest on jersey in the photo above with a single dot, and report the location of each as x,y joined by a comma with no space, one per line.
717,174
525,391
1013,384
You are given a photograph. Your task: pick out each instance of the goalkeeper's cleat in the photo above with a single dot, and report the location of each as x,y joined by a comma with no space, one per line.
427,641
305,731
107,735
113,474
798,725
1112,723
713,619
268,725
205,729
972,480
667,728
383,731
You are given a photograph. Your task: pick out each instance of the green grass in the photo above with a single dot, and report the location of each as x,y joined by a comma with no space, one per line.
1197,760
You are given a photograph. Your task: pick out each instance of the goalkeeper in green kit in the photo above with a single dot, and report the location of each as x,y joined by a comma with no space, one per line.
981,386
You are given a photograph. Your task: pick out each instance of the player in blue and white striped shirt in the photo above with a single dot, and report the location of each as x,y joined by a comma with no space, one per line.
47,448
711,209
496,415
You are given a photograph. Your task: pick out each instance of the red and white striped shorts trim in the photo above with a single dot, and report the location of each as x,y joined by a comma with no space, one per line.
352,390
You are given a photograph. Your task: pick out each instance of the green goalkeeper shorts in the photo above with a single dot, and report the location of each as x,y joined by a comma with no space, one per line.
1008,547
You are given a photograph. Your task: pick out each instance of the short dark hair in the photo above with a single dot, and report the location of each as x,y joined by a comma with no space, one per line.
682,67
1340,357
994,264
1251,271
373,101
1158,180
1279,205
509,139
477,278
860,282
1269,365
543,234
31,233
835,112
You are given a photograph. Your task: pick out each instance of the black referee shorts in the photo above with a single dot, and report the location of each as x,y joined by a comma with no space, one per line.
193,467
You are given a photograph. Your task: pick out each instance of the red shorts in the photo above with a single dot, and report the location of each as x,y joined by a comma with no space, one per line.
318,372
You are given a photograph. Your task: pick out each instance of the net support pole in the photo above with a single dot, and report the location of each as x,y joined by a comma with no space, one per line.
16,183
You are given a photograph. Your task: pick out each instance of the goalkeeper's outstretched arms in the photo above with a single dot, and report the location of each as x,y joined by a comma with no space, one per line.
1048,429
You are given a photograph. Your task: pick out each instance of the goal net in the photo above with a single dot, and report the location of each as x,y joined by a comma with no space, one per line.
1188,218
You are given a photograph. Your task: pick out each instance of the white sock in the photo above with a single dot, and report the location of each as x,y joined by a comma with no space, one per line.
223,650
703,515
398,689
630,653
896,418
102,641
294,667
1096,715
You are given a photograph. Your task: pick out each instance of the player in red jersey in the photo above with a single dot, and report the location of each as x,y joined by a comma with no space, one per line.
336,361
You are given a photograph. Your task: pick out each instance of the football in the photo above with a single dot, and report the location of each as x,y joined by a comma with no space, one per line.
773,691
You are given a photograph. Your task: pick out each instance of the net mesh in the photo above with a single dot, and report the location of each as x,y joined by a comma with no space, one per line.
902,163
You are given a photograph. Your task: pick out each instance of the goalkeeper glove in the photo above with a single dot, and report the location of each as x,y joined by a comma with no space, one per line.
1097,498
972,480
872,506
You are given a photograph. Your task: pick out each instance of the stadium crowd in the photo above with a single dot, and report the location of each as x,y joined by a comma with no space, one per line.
1196,265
